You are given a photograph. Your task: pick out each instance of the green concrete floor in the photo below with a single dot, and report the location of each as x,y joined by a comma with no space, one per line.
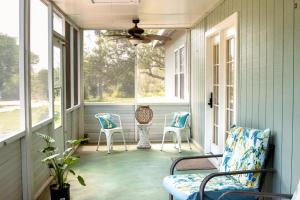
132,175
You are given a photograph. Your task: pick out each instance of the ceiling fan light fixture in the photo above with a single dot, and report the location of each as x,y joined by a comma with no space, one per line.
135,41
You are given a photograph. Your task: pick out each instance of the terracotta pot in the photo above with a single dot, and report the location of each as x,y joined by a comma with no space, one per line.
143,114
60,194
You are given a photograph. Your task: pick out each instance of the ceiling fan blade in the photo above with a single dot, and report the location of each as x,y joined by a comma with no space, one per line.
157,37
118,35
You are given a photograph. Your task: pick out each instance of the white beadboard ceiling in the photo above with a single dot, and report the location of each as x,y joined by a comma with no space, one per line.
152,13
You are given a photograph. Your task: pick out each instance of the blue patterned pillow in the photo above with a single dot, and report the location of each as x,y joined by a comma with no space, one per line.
179,119
245,149
106,121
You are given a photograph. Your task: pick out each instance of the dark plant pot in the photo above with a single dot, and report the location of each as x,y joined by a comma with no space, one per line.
60,194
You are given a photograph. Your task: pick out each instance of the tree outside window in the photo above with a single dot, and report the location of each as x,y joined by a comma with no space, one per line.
109,68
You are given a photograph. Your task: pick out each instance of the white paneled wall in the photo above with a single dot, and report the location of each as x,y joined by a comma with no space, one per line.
10,172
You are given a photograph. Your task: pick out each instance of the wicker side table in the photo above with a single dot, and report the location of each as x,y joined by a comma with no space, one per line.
143,130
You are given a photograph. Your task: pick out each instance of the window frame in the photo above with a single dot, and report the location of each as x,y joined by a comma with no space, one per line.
14,135
178,72
48,120
72,58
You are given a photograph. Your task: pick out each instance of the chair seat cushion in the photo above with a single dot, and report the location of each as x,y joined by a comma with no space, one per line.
186,186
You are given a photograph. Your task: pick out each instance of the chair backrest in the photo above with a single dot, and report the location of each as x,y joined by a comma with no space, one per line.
180,119
108,120
246,149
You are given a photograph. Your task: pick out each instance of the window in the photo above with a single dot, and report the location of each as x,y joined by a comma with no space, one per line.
40,102
68,66
72,71
75,66
58,25
179,73
10,106
109,68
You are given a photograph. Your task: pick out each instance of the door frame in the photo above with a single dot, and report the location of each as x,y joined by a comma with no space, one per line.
231,21
59,131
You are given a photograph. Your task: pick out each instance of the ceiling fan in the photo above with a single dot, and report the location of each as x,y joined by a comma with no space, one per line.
136,35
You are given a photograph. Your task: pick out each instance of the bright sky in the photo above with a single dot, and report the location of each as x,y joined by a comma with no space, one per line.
89,40
9,25
9,20
39,33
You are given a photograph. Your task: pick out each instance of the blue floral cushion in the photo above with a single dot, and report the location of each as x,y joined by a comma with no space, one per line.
179,119
245,149
106,121
183,186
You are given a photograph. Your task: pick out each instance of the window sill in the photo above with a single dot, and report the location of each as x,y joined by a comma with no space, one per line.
73,108
41,124
108,103
6,139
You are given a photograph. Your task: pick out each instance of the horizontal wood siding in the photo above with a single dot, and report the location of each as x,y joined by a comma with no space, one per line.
10,171
268,71
40,171
127,113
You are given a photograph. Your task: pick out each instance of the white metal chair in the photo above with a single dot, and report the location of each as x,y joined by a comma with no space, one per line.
109,132
177,132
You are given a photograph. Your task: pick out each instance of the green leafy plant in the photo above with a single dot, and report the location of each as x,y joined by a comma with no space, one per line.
60,163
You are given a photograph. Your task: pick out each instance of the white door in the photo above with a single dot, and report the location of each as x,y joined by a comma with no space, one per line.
58,93
220,91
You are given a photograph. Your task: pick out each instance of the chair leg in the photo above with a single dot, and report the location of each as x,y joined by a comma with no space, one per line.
108,142
99,138
174,139
124,141
187,137
162,142
179,141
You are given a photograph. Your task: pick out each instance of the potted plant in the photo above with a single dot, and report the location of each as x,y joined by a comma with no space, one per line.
60,166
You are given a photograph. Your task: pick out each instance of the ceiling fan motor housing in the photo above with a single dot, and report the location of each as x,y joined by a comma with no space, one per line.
136,30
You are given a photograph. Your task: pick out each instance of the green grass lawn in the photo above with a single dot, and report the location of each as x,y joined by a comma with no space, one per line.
10,121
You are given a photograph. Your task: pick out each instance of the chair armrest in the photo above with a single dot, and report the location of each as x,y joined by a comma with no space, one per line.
212,175
175,162
256,194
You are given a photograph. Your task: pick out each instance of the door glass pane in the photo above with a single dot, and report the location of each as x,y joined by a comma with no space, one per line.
57,53
230,82
215,135
215,93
